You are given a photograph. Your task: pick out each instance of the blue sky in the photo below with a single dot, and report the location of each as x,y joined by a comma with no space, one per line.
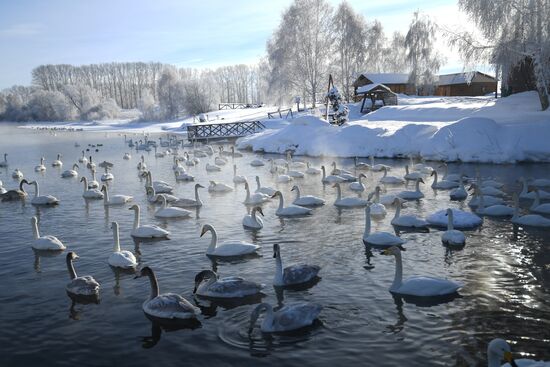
206,33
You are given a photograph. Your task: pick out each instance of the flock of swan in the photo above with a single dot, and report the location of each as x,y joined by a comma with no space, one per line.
487,199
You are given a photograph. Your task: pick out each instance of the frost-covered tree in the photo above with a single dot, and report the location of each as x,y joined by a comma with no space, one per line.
422,58
298,52
375,43
515,30
147,106
349,43
170,93
339,109
395,55
50,106
81,96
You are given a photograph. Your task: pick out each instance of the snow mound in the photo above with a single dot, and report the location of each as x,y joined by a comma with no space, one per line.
461,219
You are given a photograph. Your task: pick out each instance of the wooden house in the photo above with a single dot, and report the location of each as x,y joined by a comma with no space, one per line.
459,84
397,83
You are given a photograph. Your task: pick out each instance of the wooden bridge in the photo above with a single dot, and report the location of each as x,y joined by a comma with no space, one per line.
223,130
237,105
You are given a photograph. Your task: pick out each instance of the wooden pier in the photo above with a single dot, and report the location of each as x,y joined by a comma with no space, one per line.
223,130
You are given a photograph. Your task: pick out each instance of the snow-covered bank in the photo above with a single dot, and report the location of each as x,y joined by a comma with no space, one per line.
436,128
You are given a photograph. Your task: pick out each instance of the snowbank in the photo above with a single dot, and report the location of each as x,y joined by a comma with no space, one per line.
470,129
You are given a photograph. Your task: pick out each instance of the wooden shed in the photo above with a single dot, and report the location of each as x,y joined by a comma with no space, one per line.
396,82
460,84
375,96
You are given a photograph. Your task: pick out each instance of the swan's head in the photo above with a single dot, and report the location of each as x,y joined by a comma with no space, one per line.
75,166
24,181
434,172
336,185
199,186
259,210
103,188
397,201
149,190
255,315
498,348
276,250
277,193
323,168
114,225
365,176
34,221
246,186
203,275
449,212
144,272
394,250
420,180
72,256
206,228
295,187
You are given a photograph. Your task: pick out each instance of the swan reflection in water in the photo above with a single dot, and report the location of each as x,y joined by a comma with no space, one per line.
150,341
39,254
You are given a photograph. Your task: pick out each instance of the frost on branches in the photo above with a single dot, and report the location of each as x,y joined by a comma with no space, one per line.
340,110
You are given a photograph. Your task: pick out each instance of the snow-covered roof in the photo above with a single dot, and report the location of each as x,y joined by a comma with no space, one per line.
464,78
367,88
387,78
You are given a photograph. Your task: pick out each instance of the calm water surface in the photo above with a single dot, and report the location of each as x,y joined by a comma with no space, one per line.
506,273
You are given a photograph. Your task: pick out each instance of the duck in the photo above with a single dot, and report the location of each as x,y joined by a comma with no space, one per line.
358,186
412,176
361,165
71,172
168,212
527,194
252,221
412,195
391,180
17,194
291,210
115,199
41,167
187,203
83,158
499,350
212,168
90,193
377,167
537,207
497,210
347,202
237,179
378,239
338,171
219,187
42,199
452,237
230,248
257,163
45,243
165,306
528,220
127,156
107,176
123,259
256,198
4,163
289,317
17,174
459,193
407,221
154,198
264,189
306,200
160,187
147,230
208,284
418,286
331,179
376,207
293,173
292,275
443,184
80,285
312,170
57,162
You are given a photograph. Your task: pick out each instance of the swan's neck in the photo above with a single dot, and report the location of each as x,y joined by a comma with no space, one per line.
435,178
397,280
213,241
247,193
116,237
281,201
35,232
516,209
418,185
278,270
377,195
523,187
385,174
324,173
450,225
537,200
197,199
36,189
258,183
338,193
106,196
136,217
164,202
154,286
493,360
253,215
397,211
481,203
367,224
93,175
361,177
268,318
70,267
407,170
85,184
234,171
297,193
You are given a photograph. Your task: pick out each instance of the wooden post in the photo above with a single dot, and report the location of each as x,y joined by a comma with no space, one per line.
330,83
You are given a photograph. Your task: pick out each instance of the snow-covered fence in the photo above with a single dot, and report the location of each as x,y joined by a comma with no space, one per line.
223,130
272,115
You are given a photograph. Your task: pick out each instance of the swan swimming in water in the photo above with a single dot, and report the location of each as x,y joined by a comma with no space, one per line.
107,176
120,258
358,186
160,187
452,237
312,170
443,184
42,199
41,167
17,194
83,158
208,284
290,317
57,162
347,202
17,174
147,230
537,207
93,184
497,210
413,195
42,243
237,179
71,172
331,179
377,209
171,212
255,199
219,187
188,203
306,200
252,221
230,248
419,286
380,239
291,210
264,189
407,221
166,306
292,275
391,180
412,176
499,350
80,285
4,163
528,220
115,199
154,198
90,193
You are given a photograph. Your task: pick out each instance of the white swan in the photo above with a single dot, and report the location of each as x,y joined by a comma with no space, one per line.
284,178
347,202
142,166
292,275
452,237
220,161
127,156
289,317
49,243
391,180
90,164
237,179
527,194
107,176
539,182
257,163
208,284
537,207
407,221
93,184
229,248
528,220
147,230
120,258
306,200
338,171
264,189
358,186
377,167
459,193
312,170
212,168
380,239
293,173
412,176
171,212
71,172
498,350
443,184
331,178
17,174
412,195
187,203
57,162
4,163
376,207
419,286
219,187
83,158
256,198
90,193
80,285
491,191
361,165
488,201
252,221
160,187
184,176
41,167
153,198
42,199
115,199
167,306
451,176
291,210
497,210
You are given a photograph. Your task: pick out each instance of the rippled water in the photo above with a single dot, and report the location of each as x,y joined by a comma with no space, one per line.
506,273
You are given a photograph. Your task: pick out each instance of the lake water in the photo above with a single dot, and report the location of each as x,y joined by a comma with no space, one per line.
506,273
